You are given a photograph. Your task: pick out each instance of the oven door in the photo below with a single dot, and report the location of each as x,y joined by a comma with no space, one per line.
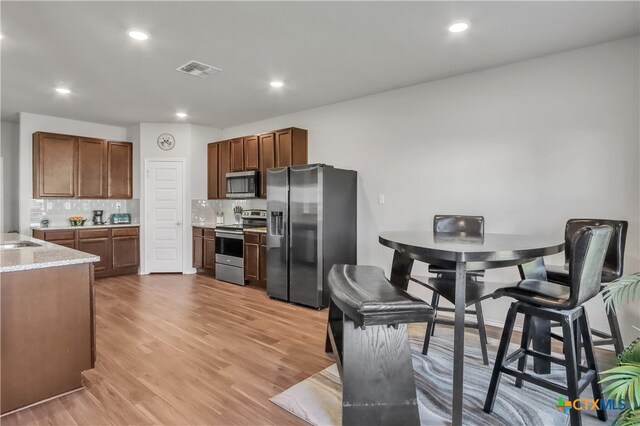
242,184
230,248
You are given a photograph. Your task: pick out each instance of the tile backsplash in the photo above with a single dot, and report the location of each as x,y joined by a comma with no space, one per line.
205,211
58,210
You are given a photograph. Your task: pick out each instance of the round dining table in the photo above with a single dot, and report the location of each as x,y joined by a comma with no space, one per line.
471,253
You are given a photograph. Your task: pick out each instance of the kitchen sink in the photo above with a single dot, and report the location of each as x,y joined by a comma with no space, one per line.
17,244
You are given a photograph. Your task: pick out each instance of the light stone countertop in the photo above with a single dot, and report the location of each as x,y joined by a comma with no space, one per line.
257,230
209,225
86,226
46,255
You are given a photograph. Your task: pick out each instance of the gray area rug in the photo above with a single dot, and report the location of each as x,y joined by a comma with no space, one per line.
317,399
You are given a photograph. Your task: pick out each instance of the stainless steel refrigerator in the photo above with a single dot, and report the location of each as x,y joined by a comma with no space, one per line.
311,225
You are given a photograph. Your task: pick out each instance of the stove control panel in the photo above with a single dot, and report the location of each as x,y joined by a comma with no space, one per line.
254,214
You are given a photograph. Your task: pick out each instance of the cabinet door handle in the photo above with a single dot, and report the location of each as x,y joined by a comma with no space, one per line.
178,223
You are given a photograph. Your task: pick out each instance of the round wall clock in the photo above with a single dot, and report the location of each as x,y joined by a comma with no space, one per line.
166,141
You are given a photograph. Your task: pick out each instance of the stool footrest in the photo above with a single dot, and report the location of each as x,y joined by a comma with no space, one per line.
452,322
601,334
604,342
466,311
535,380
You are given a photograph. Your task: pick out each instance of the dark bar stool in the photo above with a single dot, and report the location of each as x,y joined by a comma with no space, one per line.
611,270
553,302
446,226
367,333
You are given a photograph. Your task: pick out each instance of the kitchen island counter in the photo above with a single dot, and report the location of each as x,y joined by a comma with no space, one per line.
47,320
43,255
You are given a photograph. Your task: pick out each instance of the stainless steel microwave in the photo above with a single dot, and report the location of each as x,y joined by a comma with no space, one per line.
242,184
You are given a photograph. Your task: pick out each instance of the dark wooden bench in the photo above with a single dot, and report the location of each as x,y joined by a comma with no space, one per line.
367,333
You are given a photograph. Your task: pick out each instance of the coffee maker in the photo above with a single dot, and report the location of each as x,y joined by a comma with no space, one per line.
97,217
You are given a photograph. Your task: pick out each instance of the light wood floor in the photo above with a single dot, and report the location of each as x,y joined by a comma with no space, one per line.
187,349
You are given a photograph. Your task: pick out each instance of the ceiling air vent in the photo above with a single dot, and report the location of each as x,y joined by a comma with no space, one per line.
198,69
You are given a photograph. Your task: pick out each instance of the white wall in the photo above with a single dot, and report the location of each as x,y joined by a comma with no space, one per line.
191,147
528,145
9,152
30,123
133,136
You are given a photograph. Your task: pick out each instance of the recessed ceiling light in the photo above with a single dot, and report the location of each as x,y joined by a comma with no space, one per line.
138,35
63,90
458,27
276,83
181,114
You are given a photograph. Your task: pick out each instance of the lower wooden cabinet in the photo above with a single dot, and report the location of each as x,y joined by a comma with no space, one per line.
197,248
67,243
263,259
209,254
251,256
118,248
100,246
255,258
125,251
62,238
255,254
204,250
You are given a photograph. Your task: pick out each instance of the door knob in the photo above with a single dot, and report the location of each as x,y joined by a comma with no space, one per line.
178,223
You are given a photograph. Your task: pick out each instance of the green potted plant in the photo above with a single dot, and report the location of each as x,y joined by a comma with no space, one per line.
623,381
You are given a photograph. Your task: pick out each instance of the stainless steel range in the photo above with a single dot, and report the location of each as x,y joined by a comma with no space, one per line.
230,246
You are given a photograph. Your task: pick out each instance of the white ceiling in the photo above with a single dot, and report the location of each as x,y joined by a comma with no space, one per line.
326,52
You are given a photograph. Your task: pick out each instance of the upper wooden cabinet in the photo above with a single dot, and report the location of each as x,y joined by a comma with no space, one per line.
54,165
267,159
280,148
120,170
92,166
237,155
291,147
212,169
224,167
67,166
251,153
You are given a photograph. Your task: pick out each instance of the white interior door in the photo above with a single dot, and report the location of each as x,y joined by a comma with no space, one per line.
164,207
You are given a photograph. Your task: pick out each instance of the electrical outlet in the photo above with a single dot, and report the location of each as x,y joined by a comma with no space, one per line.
380,198
67,205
